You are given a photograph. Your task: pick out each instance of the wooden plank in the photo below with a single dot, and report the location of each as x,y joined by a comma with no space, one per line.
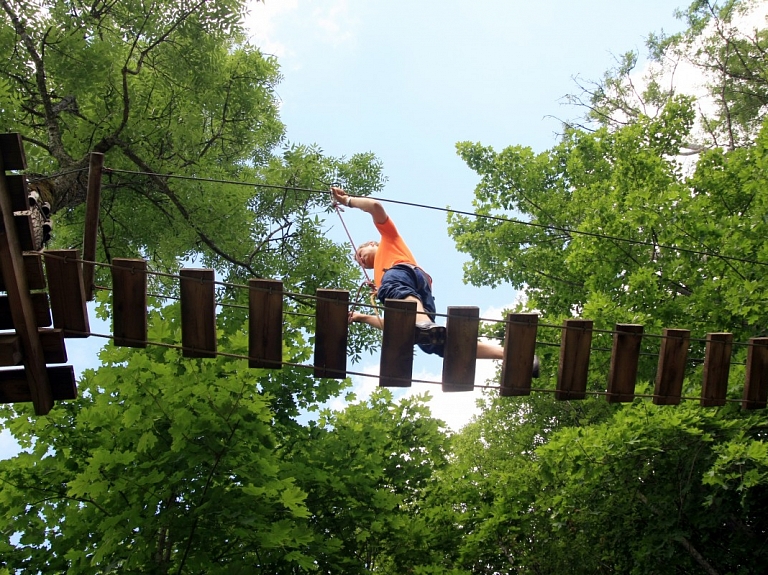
396,363
52,342
129,302
265,323
14,388
624,358
65,281
40,311
16,285
17,187
33,268
460,355
671,370
91,231
519,349
717,362
12,152
198,312
23,223
756,385
331,332
575,348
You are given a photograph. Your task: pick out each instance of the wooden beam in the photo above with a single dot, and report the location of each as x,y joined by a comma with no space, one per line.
519,349
265,324
52,342
717,362
460,356
12,264
33,268
17,187
396,363
65,281
10,350
129,302
575,348
198,312
12,155
40,311
671,370
14,388
624,359
90,234
331,332
756,385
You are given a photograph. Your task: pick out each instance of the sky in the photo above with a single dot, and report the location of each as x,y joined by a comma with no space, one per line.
407,80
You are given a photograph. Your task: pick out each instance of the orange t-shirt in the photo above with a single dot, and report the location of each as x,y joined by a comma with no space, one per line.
392,251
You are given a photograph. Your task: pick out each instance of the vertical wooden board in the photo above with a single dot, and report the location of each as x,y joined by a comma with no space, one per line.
23,223
331,330
624,358
33,268
54,349
14,388
575,348
65,285
90,233
756,385
129,302
519,349
396,364
671,370
12,152
198,312
265,323
40,311
17,187
460,355
717,362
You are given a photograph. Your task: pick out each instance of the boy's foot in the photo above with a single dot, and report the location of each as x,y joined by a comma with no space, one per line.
428,333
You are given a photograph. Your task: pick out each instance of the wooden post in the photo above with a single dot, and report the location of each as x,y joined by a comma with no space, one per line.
65,281
396,364
265,323
519,349
331,330
671,370
129,302
90,234
460,348
624,358
717,362
756,385
575,348
12,158
198,312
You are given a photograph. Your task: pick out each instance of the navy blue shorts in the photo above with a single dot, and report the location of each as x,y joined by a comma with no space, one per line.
401,281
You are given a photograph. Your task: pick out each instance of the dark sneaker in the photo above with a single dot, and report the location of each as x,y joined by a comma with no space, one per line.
428,333
535,366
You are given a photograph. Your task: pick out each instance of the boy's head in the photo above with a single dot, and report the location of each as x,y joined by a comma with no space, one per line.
366,253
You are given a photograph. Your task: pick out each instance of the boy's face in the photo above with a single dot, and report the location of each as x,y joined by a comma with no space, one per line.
366,254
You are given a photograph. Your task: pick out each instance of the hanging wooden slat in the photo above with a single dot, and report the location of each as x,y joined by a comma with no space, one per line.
14,278
396,364
12,152
23,223
671,370
65,284
265,323
129,302
33,268
331,331
717,362
624,358
40,311
52,341
574,359
519,349
10,350
90,234
460,358
198,312
17,187
14,388
756,385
